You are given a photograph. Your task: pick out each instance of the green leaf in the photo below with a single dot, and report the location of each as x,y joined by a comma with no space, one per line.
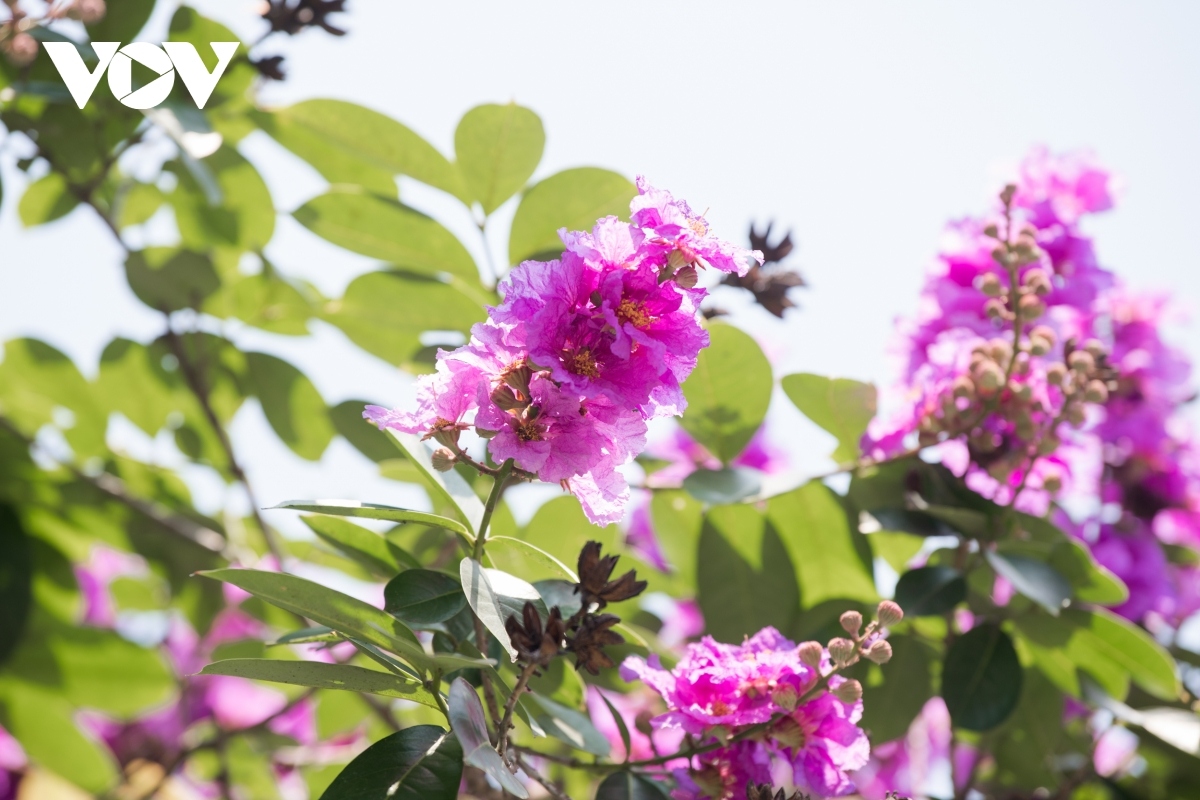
267,301
388,230
824,549
373,551
495,596
1121,642
139,204
728,392
348,143
245,216
45,200
567,725
327,607
354,508
573,199
525,558
890,707
423,596
498,148
628,786
423,762
168,279
315,634
930,591
1090,582
291,404
16,586
723,486
348,421
619,721
447,488
746,586
560,530
122,21
385,313
470,726
35,378
1035,579
318,675
43,721
1027,747
841,406
981,678
678,519
561,594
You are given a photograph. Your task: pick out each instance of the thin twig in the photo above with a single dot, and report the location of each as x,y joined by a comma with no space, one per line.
545,783
510,706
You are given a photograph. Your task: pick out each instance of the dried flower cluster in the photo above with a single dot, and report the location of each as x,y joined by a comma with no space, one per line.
586,633
582,351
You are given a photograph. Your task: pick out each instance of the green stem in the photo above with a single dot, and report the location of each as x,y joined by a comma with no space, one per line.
492,501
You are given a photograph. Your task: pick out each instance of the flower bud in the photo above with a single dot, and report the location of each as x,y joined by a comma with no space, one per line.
1081,361
1045,332
841,651
1000,254
1076,415
22,49
788,733
851,622
995,308
1056,374
89,12
1039,345
786,697
1000,350
849,692
1031,306
992,230
1096,392
880,652
676,260
1052,482
443,460
811,654
1048,445
506,399
1095,347
964,387
889,613
1038,281
687,277
990,377
1022,391
989,284
1008,193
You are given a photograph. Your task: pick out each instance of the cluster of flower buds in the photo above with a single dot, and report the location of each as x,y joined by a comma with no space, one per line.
586,633
865,643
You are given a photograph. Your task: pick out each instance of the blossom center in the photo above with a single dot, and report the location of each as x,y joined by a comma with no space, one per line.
582,362
698,226
634,313
529,431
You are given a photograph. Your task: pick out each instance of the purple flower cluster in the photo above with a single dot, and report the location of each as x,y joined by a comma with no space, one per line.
717,691
582,351
1125,443
962,352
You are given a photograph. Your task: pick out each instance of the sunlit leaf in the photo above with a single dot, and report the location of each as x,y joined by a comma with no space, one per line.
291,404
728,392
423,596
841,406
372,550
387,230
573,199
319,675
498,148
930,591
45,200
890,707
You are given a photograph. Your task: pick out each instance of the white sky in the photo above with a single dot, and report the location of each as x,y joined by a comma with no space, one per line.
863,126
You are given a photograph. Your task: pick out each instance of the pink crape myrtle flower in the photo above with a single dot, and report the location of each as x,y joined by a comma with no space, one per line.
13,762
724,774
825,744
671,226
580,353
728,685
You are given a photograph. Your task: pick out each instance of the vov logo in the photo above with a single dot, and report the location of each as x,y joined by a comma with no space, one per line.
172,57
